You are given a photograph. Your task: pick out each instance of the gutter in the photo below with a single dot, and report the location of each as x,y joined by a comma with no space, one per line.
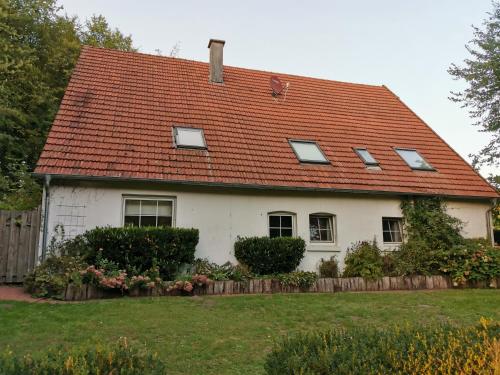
251,186
46,207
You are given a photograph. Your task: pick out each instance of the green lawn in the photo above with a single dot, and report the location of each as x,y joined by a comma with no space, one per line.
229,335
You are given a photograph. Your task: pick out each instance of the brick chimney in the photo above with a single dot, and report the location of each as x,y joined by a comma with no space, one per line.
216,66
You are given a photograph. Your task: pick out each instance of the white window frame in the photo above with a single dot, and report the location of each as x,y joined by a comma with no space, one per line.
400,220
282,213
308,161
171,199
333,225
177,145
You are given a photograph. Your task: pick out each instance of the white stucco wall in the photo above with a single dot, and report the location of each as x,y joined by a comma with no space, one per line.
222,216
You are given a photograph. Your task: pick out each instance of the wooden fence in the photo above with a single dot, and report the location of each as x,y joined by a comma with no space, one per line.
268,286
19,233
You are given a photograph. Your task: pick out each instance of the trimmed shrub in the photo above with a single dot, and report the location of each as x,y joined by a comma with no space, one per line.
407,350
138,249
301,279
329,268
264,255
363,259
216,272
50,278
120,358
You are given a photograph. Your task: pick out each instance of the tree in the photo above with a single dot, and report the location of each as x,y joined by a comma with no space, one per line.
38,50
482,74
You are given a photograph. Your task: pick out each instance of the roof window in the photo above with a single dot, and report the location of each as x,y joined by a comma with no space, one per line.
366,157
189,137
414,159
308,152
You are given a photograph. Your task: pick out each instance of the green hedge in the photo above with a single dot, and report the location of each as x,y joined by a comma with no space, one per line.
120,358
264,255
137,249
441,350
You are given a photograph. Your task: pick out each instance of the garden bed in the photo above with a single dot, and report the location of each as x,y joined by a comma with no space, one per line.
268,286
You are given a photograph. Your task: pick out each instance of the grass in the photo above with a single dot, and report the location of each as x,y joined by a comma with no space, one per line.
229,335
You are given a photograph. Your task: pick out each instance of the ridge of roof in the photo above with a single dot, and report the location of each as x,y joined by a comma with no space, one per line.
250,70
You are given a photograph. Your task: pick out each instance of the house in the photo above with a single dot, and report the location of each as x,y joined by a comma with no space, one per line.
152,140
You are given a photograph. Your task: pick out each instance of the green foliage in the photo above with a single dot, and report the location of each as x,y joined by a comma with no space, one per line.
363,259
399,350
264,255
475,260
138,249
120,358
50,278
329,268
215,272
39,47
430,231
482,74
427,222
301,279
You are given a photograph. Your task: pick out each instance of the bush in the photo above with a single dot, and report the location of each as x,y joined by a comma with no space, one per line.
50,278
475,260
227,271
329,268
363,259
301,279
264,255
137,249
441,350
120,358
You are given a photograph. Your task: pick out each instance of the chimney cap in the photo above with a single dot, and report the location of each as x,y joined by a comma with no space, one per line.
216,41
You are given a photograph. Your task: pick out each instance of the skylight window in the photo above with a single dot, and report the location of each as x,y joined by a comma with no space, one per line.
189,137
365,155
414,159
308,152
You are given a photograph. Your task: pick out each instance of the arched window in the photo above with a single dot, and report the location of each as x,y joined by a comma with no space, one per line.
322,227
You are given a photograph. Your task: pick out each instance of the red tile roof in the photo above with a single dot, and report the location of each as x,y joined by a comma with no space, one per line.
117,115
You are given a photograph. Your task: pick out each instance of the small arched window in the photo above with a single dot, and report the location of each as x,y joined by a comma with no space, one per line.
322,227
281,224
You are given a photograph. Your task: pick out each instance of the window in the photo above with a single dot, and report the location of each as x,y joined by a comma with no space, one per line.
365,155
281,225
142,212
189,137
321,228
308,152
392,229
414,159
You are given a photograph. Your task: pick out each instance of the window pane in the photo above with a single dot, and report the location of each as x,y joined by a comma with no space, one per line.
366,156
324,222
413,159
131,221
392,230
164,221
274,221
148,207
148,221
274,233
308,151
189,137
132,207
321,228
387,237
164,208
286,221
286,232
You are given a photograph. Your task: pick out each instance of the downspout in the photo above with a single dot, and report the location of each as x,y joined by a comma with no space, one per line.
489,221
46,207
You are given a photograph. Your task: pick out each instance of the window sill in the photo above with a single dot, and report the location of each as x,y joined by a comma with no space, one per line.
325,247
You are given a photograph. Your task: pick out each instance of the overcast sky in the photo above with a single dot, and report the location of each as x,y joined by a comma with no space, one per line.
406,45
